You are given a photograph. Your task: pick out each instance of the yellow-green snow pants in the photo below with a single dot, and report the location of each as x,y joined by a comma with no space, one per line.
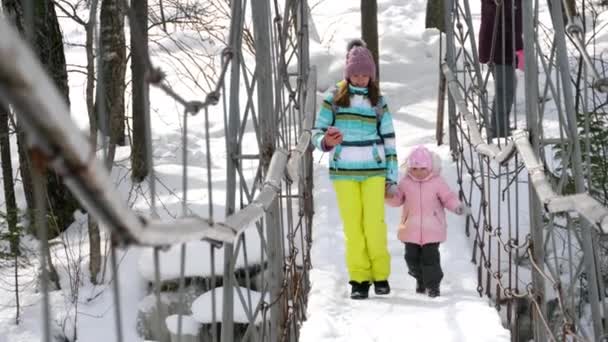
361,205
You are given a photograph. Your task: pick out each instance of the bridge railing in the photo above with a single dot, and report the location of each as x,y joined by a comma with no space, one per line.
536,230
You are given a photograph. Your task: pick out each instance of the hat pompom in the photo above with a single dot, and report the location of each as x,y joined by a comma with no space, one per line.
355,42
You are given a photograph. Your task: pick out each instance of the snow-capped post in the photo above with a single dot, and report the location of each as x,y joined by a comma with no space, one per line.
268,135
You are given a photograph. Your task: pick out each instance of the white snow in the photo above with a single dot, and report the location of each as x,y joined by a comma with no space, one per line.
190,326
198,256
202,307
409,73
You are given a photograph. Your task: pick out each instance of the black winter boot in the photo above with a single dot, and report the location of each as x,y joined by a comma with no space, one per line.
433,292
359,290
419,287
381,287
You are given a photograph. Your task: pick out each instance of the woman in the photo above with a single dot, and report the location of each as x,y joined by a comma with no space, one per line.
354,124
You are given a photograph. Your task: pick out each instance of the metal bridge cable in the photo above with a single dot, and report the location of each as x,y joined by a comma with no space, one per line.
39,184
116,287
182,266
575,31
157,288
209,165
213,296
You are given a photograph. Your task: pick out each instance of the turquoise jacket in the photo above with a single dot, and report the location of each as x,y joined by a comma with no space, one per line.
363,153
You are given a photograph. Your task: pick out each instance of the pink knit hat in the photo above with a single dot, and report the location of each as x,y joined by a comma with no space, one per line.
359,60
421,158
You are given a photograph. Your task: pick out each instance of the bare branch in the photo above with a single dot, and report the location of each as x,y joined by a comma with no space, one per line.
71,15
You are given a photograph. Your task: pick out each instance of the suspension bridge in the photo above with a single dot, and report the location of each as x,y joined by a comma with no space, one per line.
256,277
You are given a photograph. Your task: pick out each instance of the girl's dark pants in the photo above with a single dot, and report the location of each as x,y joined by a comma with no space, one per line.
424,263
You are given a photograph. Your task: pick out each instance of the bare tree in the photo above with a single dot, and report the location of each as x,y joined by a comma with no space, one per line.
111,89
93,226
47,41
14,11
7,177
70,10
434,15
140,105
9,197
369,29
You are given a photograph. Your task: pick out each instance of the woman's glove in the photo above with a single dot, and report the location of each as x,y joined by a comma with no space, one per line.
519,58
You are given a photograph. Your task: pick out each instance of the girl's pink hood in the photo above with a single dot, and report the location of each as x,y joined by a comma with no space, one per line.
422,157
423,200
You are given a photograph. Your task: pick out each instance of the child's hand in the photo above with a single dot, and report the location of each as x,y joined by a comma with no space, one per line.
463,210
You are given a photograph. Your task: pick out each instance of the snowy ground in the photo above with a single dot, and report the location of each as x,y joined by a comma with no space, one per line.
408,70
459,312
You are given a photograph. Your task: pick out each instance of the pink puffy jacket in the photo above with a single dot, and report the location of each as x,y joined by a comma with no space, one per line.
423,217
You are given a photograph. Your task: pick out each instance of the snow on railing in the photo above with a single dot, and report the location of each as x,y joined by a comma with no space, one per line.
583,204
304,139
483,148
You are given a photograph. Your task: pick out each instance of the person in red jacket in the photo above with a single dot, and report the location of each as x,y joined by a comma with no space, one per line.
501,46
423,195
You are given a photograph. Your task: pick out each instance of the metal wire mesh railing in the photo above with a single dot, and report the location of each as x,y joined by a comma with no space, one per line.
256,256
536,229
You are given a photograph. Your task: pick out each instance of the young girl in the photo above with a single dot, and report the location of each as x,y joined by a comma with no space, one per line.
423,194
355,125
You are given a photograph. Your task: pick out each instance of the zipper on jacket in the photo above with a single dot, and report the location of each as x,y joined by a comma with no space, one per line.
376,154
420,210
336,157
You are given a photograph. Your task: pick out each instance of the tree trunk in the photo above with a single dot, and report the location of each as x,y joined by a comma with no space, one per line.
9,186
570,5
47,43
90,90
93,227
26,175
434,15
38,179
49,46
139,152
10,202
113,55
369,29
14,11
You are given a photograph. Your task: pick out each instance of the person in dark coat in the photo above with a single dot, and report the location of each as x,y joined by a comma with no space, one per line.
501,46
